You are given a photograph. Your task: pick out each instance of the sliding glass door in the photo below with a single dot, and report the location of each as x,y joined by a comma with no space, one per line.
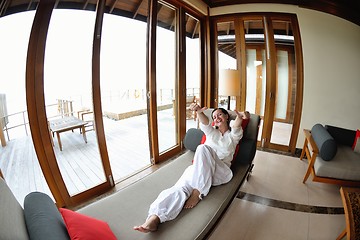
123,95
267,51
166,77
68,95
119,110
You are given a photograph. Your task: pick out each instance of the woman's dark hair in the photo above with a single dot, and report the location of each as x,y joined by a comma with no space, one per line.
224,111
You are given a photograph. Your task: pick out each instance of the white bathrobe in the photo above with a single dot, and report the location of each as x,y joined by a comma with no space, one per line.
211,167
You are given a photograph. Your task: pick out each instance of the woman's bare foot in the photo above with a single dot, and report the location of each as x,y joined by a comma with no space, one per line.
150,225
193,200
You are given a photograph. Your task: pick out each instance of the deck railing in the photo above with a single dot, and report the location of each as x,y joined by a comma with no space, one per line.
65,107
17,120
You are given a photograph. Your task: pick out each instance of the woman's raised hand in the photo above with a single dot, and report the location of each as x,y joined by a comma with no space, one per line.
239,118
196,107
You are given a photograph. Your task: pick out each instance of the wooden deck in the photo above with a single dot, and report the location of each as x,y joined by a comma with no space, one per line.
79,162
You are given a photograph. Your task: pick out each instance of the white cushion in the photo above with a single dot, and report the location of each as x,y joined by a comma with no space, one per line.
345,165
12,221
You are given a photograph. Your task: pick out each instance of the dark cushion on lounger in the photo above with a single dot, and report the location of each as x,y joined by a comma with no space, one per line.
43,219
341,135
193,138
324,141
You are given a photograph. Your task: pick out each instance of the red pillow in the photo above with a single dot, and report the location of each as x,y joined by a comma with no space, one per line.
356,145
244,123
81,227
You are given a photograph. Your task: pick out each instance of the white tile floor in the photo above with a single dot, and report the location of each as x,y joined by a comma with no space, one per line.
280,177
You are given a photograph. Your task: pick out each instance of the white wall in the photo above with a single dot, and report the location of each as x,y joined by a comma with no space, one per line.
331,54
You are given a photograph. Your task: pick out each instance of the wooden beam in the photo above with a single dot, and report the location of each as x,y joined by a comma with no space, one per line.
3,7
137,8
181,74
56,3
2,136
228,28
270,95
151,80
36,103
173,23
85,4
29,5
113,6
299,84
195,29
98,117
159,7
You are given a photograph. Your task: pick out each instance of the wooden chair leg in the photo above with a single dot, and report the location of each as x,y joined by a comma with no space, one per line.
307,174
303,150
342,235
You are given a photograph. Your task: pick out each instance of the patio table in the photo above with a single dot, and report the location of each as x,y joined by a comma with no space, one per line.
66,124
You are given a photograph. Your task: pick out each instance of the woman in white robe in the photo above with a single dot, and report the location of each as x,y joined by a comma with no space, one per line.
211,167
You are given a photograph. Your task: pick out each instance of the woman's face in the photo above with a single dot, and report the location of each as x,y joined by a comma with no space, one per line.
220,118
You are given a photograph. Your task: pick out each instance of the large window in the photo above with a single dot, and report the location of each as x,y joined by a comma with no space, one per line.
18,161
123,94
103,101
226,60
67,89
193,65
166,80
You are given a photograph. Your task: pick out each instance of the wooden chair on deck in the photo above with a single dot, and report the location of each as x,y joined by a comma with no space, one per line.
190,114
88,116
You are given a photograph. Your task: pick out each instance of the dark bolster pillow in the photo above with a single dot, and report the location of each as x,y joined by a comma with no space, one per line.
43,219
341,135
193,138
324,141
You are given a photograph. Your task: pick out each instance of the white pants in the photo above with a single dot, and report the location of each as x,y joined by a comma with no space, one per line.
207,170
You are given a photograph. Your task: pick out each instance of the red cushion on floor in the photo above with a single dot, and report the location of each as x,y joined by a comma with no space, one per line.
81,227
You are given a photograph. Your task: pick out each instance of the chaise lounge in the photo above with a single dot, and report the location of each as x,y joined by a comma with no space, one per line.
40,219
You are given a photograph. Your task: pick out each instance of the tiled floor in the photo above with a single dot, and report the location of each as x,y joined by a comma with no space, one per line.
254,215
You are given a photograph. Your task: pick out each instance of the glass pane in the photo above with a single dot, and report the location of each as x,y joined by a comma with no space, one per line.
192,67
255,68
262,81
68,94
123,93
166,77
252,66
226,57
282,86
285,83
21,171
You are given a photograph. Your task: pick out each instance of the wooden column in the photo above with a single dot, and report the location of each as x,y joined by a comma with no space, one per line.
2,136
151,80
36,103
